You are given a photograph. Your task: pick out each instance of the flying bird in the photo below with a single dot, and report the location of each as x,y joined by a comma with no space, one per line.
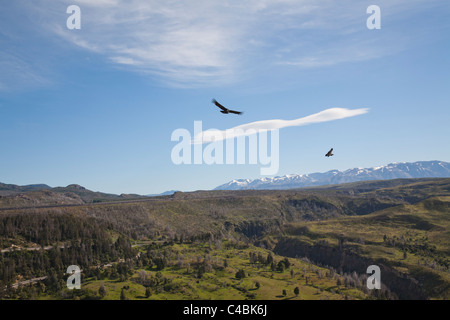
225,110
329,153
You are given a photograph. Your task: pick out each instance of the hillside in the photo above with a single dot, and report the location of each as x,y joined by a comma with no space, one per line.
410,243
403,226
42,195
7,189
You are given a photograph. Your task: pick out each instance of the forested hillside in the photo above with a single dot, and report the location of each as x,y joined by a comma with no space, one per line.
330,235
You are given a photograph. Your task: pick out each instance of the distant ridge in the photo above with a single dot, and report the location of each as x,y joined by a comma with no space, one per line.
12,188
44,194
419,169
166,193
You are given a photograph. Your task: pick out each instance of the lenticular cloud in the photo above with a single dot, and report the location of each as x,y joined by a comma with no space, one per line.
268,125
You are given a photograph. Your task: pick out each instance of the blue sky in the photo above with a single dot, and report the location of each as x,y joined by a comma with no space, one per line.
97,106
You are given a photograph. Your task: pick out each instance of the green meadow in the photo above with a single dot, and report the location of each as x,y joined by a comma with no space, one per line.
201,271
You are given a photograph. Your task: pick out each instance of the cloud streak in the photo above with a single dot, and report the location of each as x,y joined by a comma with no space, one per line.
274,124
209,43
200,43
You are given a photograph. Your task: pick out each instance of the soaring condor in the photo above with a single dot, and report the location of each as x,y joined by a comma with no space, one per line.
225,110
329,153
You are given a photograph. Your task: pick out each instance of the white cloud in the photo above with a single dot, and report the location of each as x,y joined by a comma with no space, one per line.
267,125
180,41
207,43
202,42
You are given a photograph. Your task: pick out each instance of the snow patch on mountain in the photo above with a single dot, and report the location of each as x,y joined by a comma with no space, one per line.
419,169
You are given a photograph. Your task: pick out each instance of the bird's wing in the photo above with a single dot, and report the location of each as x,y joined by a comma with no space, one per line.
235,112
219,105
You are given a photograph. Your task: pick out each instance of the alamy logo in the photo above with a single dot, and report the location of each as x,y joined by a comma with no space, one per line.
374,20
74,20
374,281
227,147
74,281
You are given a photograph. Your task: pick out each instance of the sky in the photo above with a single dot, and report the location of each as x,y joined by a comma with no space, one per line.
98,105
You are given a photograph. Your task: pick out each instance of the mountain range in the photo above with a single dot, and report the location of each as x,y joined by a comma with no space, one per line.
419,169
77,194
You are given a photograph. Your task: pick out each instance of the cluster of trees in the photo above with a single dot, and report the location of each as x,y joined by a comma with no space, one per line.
54,283
48,228
116,271
418,246
258,258
30,264
160,256
156,256
155,283
296,292
64,240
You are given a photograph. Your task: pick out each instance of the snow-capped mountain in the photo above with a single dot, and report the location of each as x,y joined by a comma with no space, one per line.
420,169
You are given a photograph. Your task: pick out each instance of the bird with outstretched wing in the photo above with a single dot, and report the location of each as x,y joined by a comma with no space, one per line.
225,110
329,153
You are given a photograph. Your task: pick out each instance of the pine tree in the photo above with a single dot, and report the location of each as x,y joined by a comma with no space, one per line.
269,259
102,290
122,295
240,274
261,258
273,266
287,263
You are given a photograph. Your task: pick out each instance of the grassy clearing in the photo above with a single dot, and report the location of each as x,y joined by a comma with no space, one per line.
220,282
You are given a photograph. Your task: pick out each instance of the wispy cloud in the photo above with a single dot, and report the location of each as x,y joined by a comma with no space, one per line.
19,72
202,42
210,43
183,42
351,53
267,125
